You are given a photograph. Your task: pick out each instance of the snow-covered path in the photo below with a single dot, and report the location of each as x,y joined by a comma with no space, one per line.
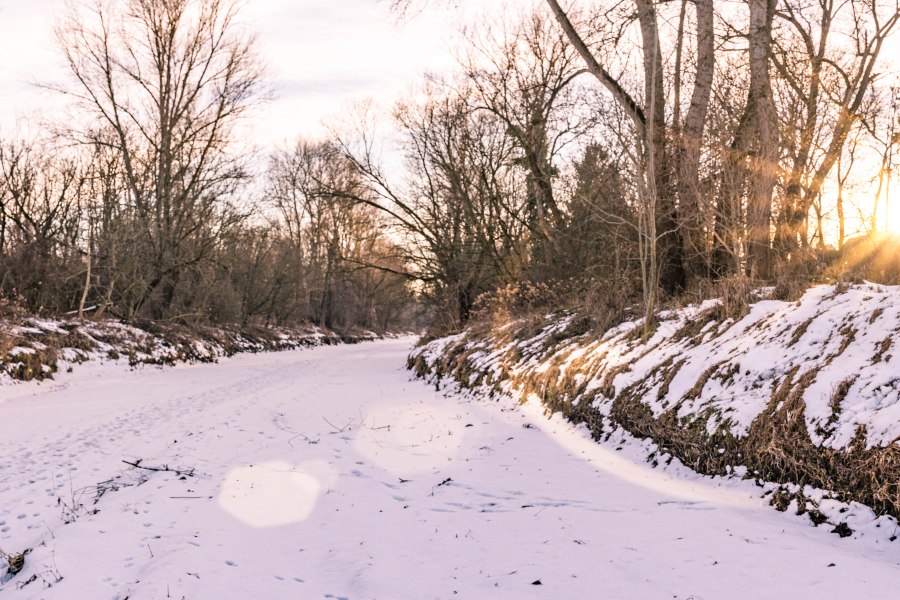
327,473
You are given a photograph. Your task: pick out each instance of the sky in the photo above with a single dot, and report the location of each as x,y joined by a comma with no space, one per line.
323,55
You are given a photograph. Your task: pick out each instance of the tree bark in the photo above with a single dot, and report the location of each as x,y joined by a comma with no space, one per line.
690,145
660,168
764,165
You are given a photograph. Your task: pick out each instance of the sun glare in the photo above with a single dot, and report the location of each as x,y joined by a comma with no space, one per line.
892,217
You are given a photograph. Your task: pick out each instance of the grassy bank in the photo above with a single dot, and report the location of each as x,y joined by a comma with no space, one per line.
802,393
34,348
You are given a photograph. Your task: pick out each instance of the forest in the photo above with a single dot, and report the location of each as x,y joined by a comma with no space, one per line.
590,155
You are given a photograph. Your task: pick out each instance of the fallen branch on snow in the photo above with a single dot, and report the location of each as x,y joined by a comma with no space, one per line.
162,469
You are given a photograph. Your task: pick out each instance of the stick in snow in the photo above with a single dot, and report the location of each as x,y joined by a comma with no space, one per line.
163,469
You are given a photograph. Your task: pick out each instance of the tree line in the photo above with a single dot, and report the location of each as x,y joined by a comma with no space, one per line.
602,153
143,205
693,141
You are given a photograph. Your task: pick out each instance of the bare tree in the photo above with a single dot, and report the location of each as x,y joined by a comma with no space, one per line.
346,269
829,62
845,166
171,79
763,164
649,122
524,74
689,136
41,196
460,212
882,127
315,189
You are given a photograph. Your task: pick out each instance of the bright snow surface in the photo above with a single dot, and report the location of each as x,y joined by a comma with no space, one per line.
328,473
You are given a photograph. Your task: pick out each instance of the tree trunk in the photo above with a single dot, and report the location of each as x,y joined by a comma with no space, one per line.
660,168
690,145
87,275
764,165
727,253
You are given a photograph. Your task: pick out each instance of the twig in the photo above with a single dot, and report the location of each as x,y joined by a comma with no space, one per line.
278,424
335,427
165,468
305,438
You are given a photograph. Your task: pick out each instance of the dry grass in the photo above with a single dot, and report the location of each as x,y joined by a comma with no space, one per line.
694,330
875,314
164,344
777,447
881,350
799,332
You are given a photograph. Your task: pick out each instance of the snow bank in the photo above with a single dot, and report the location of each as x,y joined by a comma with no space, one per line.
819,378
34,348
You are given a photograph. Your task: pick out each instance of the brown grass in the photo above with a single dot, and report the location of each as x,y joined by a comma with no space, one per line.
179,341
777,447
882,349
799,332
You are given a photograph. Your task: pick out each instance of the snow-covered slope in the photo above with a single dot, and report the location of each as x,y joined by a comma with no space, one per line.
805,391
36,348
844,337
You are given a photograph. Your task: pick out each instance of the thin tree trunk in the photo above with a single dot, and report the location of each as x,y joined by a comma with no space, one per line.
87,275
727,253
690,145
764,165
669,245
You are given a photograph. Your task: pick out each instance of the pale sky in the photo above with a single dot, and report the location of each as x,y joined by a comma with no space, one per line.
323,55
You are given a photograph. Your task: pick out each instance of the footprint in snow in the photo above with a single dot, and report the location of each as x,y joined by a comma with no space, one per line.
230,563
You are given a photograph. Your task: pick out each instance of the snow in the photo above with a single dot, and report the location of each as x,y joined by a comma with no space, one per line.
847,335
327,473
71,342
17,350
